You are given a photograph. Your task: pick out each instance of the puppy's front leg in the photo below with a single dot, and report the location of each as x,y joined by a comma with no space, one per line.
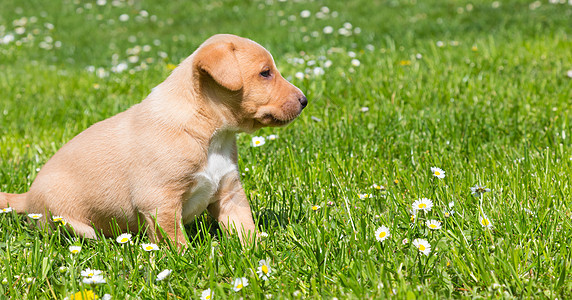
168,221
232,209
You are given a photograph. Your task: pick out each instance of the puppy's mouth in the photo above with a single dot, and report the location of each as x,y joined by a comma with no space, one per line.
271,120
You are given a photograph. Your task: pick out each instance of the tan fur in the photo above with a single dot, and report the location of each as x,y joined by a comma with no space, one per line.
172,154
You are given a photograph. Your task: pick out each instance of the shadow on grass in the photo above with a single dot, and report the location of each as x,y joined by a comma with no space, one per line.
206,228
203,229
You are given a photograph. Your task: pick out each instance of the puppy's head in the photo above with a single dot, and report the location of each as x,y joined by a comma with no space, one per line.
241,75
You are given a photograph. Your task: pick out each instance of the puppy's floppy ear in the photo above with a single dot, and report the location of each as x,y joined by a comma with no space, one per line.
219,61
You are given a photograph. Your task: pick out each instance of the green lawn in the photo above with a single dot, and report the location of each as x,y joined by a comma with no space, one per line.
480,89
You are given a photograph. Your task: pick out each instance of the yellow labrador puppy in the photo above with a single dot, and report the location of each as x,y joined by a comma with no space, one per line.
170,157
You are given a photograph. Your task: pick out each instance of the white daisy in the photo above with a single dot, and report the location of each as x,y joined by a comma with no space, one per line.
378,187
75,249
95,279
239,283
272,137
6,210
119,67
485,221
123,238
413,215
7,39
59,220
207,294
124,18
438,172
264,270
448,213
423,246
35,216
164,274
258,141
433,224
90,273
478,190
423,204
149,247
344,31
382,233
318,71
364,196
305,14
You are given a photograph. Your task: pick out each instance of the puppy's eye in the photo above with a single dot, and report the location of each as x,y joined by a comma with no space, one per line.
265,74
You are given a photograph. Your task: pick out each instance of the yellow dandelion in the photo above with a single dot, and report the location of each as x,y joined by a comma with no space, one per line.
84,295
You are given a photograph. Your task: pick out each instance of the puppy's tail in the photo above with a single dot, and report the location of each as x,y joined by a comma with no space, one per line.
15,201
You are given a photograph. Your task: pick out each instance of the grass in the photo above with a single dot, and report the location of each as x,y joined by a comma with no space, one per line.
476,88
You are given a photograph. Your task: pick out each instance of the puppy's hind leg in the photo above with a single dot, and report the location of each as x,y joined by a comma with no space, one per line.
81,229
14,201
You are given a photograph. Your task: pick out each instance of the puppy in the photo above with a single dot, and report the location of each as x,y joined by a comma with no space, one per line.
170,157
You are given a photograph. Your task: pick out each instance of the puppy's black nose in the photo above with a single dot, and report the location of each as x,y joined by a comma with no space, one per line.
303,101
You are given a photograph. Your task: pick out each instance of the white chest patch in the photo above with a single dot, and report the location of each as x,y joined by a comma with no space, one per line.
219,164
